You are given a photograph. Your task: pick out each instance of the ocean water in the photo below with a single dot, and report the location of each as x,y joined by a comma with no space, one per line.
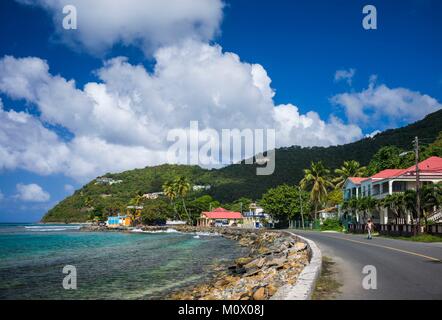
110,265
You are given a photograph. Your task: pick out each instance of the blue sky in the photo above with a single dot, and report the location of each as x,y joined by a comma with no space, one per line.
297,45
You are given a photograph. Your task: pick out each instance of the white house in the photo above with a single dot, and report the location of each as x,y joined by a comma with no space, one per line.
201,187
152,195
107,181
389,181
255,217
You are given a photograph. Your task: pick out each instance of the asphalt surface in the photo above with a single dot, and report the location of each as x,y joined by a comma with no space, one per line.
404,269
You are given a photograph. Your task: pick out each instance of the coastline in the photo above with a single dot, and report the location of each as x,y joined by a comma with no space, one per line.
274,260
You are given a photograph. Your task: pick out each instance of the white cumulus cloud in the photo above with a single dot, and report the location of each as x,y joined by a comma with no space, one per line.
391,105
31,193
122,121
148,24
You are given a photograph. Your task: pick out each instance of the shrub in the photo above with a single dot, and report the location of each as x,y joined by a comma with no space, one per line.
331,224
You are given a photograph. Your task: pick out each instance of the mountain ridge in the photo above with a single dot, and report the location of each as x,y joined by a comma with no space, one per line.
239,180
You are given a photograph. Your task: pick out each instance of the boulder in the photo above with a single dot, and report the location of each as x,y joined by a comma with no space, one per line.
260,294
300,246
276,262
243,261
271,290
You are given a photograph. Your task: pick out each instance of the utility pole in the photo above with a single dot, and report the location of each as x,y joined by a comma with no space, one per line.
418,198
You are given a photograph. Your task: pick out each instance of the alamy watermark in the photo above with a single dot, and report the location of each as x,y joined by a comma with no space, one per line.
370,21
70,19
70,280
370,281
210,148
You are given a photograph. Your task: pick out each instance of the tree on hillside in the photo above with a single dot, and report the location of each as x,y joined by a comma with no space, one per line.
155,212
389,157
137,199
182,187
170,192
316,180
434,149
97,213
200,204
349,168
88,202
240,205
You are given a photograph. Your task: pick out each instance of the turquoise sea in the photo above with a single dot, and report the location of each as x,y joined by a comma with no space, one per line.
110,265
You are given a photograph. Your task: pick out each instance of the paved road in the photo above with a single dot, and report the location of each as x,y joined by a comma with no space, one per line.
405,269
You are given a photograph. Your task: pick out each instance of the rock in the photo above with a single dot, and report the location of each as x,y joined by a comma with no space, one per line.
260,294
264,251
252,272
231,279
243,261
300,246
276,262
257,263
271,290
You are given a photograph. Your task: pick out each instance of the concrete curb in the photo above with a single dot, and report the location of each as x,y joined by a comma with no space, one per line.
305,285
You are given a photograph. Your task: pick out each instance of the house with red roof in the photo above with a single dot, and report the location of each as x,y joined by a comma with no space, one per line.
389,181
221,217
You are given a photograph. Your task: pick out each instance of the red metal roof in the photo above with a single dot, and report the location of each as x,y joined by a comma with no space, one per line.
356,180
221,213
388,173
430,164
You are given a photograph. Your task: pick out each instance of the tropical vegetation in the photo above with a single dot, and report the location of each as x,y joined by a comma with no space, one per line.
321,170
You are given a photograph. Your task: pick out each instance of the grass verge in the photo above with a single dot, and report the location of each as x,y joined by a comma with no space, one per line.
327,287
418,238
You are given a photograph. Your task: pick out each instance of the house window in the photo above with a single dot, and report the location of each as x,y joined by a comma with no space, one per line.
399,186
376,189
385,187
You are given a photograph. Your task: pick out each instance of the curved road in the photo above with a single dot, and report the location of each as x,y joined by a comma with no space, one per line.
405,269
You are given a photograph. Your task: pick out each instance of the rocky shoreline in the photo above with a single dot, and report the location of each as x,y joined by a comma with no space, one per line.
275,259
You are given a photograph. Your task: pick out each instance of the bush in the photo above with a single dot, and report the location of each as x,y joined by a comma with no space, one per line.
331,224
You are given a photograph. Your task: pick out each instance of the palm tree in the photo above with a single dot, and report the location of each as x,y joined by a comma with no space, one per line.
349,169
396,202
315,178
370,205
353,206
431,196
410,200
136,201
170,192
182,187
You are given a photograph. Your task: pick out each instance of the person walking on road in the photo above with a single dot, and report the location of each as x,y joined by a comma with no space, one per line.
369,226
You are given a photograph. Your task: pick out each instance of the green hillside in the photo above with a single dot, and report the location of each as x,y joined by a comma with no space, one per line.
240,180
